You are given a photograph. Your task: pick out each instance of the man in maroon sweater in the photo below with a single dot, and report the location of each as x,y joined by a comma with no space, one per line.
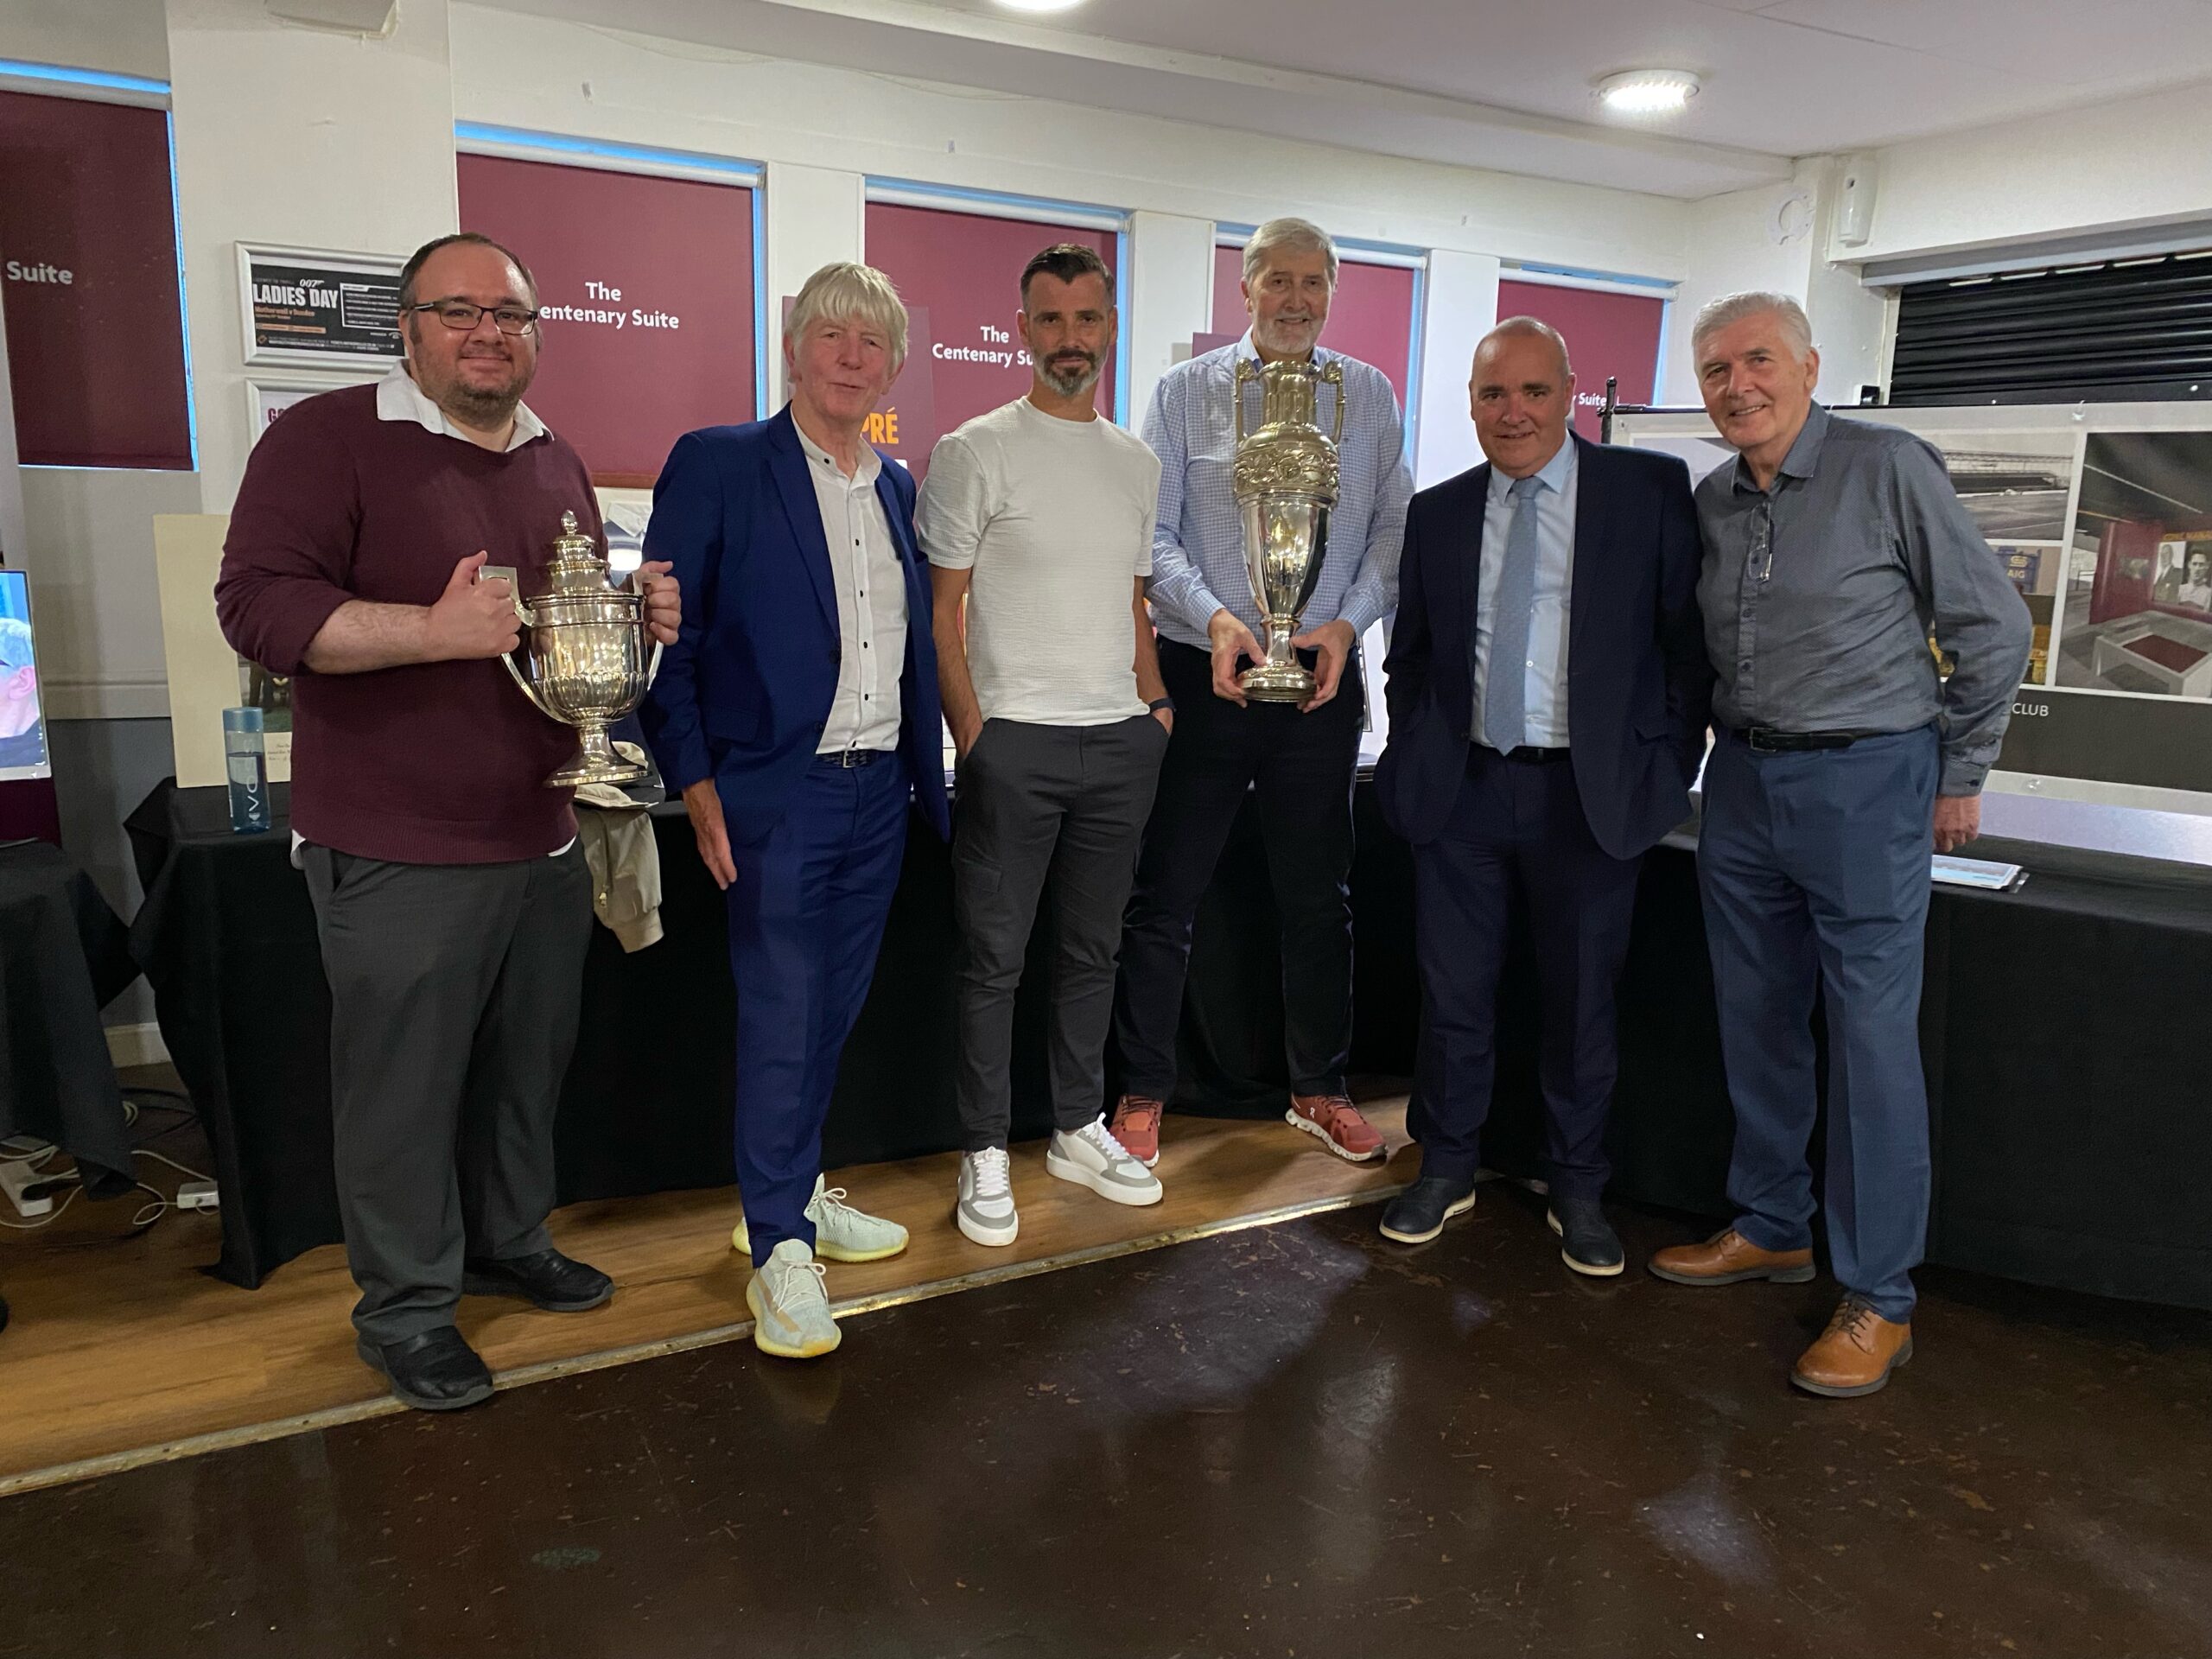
453,903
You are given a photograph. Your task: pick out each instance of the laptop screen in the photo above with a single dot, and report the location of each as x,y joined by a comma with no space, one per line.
22,726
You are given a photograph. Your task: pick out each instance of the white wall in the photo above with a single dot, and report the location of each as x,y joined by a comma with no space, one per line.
1170,297
91,559
300,137
1775,238
118,38
1459,305
2138,163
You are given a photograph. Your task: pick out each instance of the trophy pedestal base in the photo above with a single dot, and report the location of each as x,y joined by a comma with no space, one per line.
1277,683
596,762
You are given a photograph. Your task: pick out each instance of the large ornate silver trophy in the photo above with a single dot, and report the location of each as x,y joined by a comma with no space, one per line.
1285,480
584,656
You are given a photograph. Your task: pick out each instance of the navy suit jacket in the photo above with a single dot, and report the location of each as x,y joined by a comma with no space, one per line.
1639,686
744,693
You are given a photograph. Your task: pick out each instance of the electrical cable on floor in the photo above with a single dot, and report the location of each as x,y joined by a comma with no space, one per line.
147,1215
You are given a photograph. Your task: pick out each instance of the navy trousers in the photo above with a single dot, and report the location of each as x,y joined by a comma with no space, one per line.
1813,869
806,916
1519,824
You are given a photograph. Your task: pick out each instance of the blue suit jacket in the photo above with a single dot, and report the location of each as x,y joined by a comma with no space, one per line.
744,693
1639,687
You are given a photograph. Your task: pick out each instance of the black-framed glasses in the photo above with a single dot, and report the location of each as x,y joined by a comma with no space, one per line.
460,316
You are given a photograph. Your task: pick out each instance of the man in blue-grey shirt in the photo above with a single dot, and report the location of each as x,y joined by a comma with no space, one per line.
1838,562
1299,760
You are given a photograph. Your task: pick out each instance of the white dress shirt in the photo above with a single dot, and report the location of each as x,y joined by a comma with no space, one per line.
1553,506
871,601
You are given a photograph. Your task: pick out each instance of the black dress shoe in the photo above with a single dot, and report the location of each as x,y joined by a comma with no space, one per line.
547,1279
435,1371
1589,1244
1418,1214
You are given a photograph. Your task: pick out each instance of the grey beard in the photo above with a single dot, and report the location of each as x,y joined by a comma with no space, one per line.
1075,384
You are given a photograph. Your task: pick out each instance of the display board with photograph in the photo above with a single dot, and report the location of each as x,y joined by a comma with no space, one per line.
2102,517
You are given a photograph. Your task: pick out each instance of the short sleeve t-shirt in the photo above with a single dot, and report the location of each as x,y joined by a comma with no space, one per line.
1054,520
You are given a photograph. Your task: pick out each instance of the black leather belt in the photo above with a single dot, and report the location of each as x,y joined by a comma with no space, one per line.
1761,740
848,759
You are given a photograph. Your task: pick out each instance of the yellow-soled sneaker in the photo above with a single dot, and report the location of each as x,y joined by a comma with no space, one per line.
790,1310
840,1232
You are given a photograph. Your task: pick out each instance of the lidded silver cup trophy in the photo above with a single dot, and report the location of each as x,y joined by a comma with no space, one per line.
584,660
1284,480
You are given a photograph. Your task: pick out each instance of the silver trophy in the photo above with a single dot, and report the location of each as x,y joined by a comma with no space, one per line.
584,656
1284,480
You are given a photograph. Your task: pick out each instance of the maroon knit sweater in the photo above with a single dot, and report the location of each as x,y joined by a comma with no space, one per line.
432,763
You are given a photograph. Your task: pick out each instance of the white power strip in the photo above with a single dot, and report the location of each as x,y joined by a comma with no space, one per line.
198,1195
16,1180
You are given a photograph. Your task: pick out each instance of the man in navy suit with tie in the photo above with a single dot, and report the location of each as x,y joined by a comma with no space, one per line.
798,712
1548,685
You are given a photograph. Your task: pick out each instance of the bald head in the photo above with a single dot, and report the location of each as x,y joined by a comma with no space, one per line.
1523,396
1526,328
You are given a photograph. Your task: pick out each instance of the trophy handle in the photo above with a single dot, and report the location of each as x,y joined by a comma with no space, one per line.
520,679
1335,375
1245,372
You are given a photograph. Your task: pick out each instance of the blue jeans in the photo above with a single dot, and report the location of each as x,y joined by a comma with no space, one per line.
806,916
1814,872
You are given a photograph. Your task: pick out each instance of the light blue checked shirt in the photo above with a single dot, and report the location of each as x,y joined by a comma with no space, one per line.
1197,546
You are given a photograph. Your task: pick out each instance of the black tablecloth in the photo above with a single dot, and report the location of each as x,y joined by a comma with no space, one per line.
63,955
2062,1028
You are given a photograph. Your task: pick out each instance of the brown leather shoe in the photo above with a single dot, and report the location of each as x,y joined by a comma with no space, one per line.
1729,1258
1855,1355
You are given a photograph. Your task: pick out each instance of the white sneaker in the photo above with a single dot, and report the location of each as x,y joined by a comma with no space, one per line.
790,1310
1091,1156
840,1232
985,1209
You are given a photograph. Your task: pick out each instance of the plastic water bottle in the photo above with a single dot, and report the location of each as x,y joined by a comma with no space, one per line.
248,768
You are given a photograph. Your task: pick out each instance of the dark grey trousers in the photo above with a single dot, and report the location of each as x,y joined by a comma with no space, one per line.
1062,806
453,1001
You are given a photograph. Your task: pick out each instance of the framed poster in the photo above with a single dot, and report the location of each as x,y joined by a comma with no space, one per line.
296,305
267,397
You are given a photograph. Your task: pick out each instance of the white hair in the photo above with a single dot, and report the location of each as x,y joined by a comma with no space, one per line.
1717,314
1508,327
846,292
1288,236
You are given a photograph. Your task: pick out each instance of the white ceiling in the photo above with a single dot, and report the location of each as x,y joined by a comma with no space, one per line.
1508,87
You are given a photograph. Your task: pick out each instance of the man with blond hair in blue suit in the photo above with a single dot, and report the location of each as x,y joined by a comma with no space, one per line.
797,712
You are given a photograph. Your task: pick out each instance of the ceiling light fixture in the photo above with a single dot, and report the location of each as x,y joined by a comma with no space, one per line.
1648,92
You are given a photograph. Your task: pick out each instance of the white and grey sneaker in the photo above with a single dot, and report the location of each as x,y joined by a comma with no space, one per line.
840,1232
1091,1156
790,1310
985,1210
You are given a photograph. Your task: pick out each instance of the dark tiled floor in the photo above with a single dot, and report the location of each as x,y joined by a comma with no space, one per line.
1296,1440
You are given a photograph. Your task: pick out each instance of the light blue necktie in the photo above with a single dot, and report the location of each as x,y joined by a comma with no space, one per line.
1505,689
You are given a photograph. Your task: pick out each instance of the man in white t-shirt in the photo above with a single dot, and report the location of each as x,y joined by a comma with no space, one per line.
1037,519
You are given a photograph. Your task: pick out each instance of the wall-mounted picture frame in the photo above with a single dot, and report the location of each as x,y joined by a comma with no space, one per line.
267,396
313,305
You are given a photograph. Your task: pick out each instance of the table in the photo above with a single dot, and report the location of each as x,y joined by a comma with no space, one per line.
64,955
2066,1046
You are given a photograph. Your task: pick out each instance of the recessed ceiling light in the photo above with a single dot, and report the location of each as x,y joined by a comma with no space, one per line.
1648,92
1040,5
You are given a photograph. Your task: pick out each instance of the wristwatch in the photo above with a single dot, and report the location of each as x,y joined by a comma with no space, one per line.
1158,703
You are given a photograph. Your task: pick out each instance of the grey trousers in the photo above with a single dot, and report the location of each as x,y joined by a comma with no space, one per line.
454,994
1040,807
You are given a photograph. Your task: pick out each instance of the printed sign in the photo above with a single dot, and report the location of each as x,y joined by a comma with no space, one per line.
301,307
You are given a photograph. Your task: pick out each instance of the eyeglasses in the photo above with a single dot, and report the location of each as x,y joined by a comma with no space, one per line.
460,316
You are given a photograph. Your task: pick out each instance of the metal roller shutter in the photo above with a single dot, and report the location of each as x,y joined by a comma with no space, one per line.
2118,331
